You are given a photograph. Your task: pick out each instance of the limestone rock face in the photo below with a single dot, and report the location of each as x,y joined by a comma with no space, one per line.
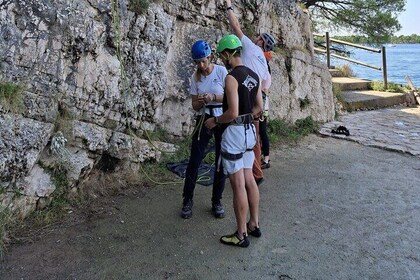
95,69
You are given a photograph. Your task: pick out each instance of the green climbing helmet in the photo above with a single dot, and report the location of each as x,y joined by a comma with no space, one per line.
229,42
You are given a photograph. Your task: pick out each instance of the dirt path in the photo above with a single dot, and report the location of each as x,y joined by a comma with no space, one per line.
331,209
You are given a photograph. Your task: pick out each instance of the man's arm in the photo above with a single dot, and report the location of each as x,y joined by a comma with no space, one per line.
233,21
258,106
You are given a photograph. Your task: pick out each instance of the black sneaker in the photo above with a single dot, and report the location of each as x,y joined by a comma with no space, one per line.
217,210
256,232
265,164
259,181
186,211
234,240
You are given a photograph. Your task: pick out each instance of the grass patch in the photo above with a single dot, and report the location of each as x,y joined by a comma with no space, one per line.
281,132
337,92
5,219
139,7
11,97
392,87
59,201
64,121
304,103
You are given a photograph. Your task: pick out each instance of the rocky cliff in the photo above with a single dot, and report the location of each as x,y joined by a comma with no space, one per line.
80,78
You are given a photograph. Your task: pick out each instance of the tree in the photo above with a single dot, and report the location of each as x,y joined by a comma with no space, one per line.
377,19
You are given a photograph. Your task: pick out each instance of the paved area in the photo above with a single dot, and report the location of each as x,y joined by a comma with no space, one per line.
396,129
330,210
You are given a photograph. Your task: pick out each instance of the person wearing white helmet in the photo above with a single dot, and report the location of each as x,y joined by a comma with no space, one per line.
253,57
206,90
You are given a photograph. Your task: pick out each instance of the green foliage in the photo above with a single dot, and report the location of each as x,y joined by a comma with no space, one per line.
304,103
5,220
402,39
280,131
139,6
11,97
160,134
405,39
337,92
377,19
392,87
182,152
59,200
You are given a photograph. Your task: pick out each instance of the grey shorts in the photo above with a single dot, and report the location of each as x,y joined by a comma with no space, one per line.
238,139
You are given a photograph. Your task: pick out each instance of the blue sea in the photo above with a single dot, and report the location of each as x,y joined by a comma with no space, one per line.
402,60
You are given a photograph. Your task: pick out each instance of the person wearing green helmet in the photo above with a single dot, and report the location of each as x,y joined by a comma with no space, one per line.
253,57
242,102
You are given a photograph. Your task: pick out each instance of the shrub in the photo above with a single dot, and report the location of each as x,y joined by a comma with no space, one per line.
338,93
11,97
346,70
139,6
392,87
280,131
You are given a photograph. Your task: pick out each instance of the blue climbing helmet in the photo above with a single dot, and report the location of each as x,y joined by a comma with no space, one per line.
201,49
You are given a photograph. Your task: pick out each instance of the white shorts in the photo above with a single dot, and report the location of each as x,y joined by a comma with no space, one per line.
238,139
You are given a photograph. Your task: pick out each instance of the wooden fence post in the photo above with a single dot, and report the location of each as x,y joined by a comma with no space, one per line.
384,70
327,44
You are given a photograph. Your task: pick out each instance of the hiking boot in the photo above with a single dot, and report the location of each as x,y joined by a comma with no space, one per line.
234,240
217,210
265,164
186,211
256,232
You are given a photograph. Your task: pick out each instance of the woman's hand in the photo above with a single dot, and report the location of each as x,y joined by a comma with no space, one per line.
198,102
208,97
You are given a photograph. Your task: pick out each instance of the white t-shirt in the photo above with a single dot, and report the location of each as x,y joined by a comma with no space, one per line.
213,83
253,57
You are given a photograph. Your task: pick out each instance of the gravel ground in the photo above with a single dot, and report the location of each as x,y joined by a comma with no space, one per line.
330,209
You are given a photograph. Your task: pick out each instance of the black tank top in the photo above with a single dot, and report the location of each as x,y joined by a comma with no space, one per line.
248,82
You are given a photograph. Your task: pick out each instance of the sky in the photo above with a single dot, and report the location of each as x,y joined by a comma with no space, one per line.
409,19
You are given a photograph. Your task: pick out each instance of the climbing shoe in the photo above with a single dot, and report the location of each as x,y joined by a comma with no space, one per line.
256,232
218,210
265,164
234,240
186,211
259,181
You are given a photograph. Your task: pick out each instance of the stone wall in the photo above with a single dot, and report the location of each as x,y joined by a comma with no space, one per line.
94,70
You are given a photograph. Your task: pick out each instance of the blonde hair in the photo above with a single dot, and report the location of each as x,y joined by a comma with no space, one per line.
197,74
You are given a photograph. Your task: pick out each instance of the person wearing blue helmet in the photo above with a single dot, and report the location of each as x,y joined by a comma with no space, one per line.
206,89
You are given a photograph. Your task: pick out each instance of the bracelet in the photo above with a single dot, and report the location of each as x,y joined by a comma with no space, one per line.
229,8
216,120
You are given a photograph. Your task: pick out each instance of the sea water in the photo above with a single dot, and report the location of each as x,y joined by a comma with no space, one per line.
401,59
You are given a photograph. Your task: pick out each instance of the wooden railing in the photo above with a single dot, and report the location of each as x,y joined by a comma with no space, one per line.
329,54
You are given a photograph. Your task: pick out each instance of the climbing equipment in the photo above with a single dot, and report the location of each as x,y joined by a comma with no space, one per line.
269,41
200,49
229,42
